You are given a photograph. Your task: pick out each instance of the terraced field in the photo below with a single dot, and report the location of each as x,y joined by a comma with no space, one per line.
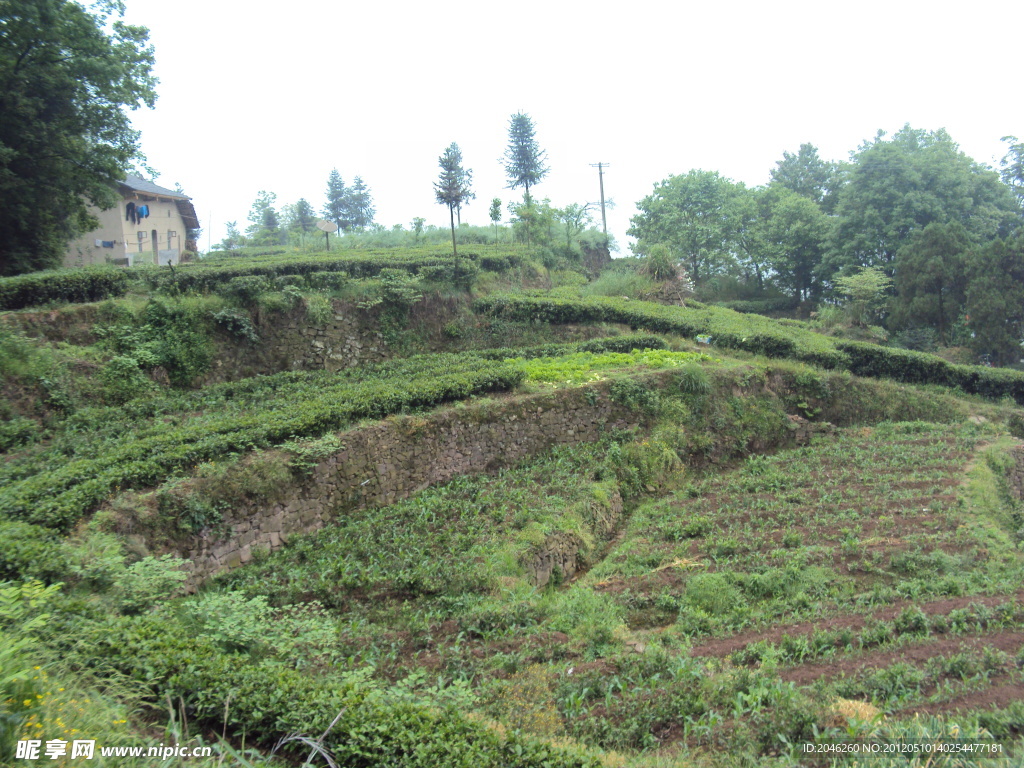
827,593
697,569
860,567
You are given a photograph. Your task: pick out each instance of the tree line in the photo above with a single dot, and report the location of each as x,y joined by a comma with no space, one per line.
939,235
555,231
350,208
533,222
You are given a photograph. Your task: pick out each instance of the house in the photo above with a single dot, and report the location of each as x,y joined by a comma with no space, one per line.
149,225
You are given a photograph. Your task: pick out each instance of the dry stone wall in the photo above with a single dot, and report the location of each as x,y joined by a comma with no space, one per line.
391,460
289,342
1015,477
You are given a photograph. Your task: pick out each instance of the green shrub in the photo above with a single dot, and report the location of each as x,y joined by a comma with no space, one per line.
586,615
636,396
461,275
659,264
762,336
619,283
318,309
148,582
30,552
237,323
78,285
246,289
760,306
17,432
123,380
263,412
325,271
712,593
264,700
693,380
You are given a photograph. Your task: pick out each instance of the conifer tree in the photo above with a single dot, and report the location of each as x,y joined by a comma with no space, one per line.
336,208
452,186
360,205
524,159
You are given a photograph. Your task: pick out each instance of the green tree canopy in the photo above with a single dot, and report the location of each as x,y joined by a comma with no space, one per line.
232,237
264,224
809,176
995,300
1011,169
780,233
495,213
360,204
524,159
452,187
575,217
900,185
299,217
865,290
66,75
692,216
336,208
931,278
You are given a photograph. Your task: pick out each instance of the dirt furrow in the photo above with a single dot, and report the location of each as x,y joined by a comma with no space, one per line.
996,697
805,674
725,646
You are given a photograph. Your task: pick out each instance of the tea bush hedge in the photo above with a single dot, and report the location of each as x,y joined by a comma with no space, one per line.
759,306
293,406
210,273
761,335
69,285
264,700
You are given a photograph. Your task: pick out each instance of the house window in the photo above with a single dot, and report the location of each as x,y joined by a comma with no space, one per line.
143,236
171,234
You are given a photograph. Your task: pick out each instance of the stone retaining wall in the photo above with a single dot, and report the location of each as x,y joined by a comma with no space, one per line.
1016,474
391,460
289,342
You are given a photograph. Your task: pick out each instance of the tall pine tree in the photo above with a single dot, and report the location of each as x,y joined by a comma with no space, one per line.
524,159
336,207
360,205
452,185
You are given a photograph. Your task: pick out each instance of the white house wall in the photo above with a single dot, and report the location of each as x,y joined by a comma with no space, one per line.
163,219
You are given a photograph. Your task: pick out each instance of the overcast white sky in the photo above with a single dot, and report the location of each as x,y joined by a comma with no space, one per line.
274,95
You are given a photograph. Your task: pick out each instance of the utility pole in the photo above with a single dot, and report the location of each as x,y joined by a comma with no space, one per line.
600,175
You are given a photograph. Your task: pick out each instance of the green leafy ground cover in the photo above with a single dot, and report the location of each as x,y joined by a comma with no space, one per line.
280,265
693,635
423,613
143,442
754,333
706,627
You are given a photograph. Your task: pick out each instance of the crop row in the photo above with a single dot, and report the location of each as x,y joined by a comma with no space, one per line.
760,335
211,273
61,495
96,284
78,285
146,440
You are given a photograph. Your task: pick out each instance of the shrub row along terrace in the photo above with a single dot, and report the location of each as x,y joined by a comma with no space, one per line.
96,284
147,440
763,336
